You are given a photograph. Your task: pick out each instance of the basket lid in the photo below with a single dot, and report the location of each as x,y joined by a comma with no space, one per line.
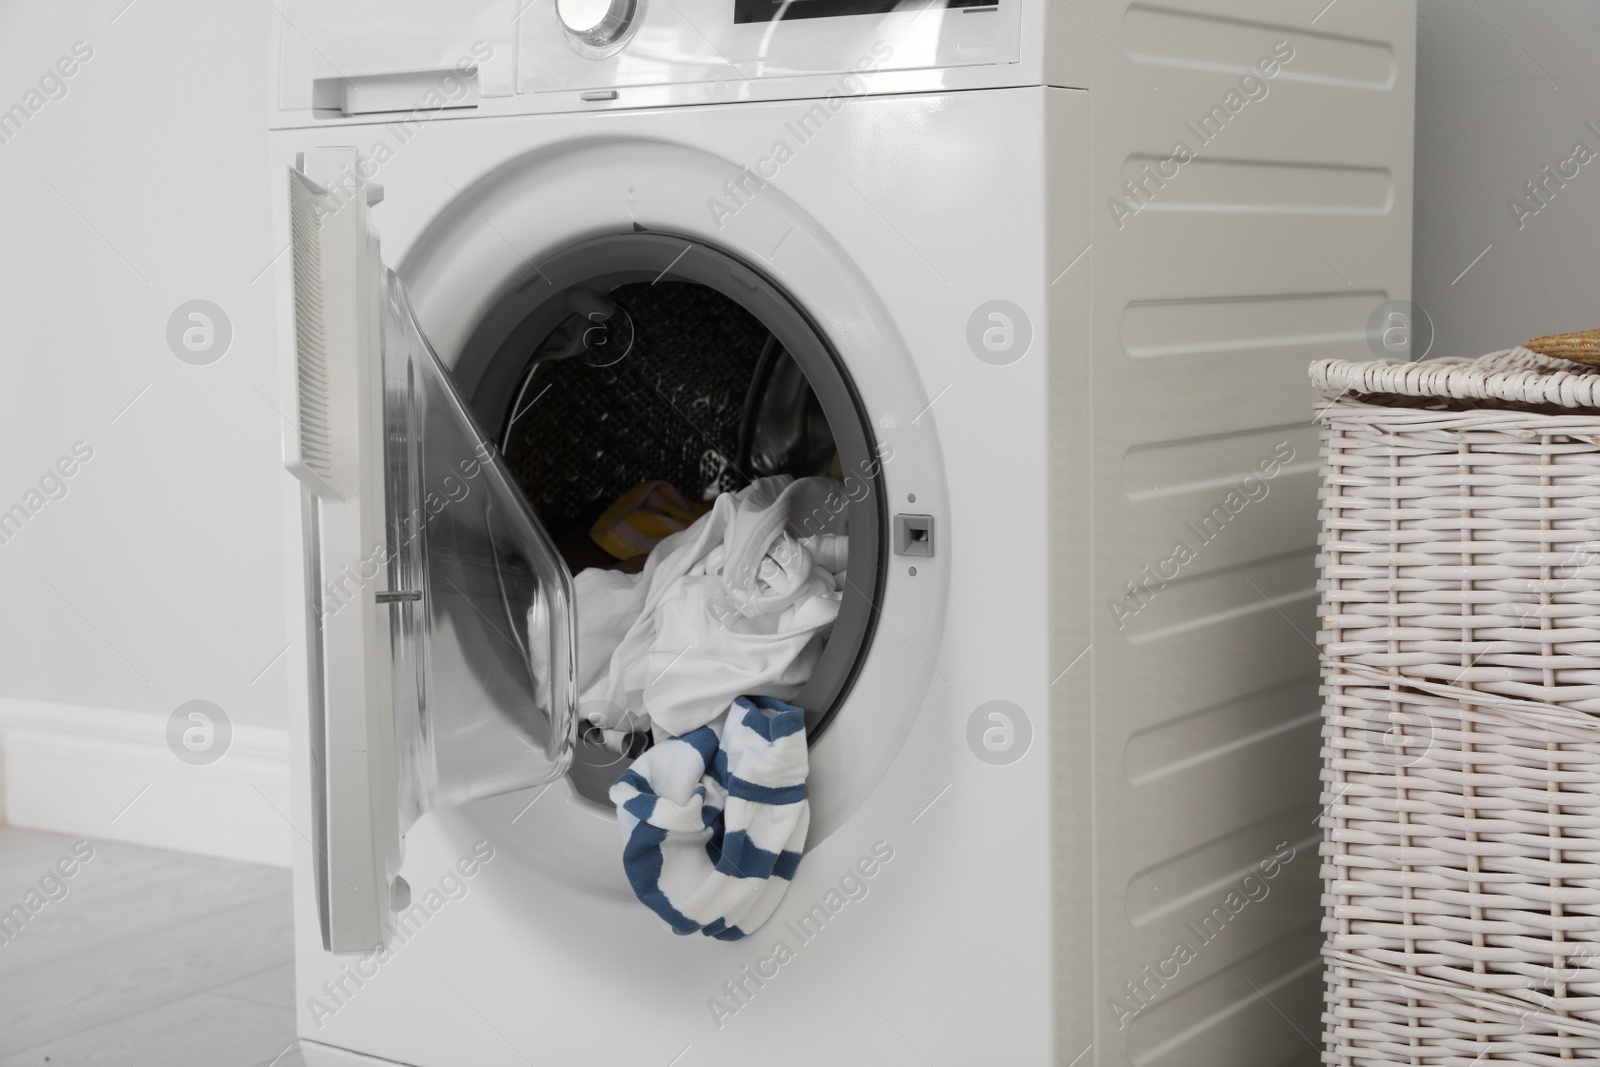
1517,375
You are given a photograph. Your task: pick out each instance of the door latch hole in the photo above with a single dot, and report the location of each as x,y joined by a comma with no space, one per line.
913,535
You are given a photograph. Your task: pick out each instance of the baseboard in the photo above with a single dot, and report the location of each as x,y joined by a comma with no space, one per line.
108,773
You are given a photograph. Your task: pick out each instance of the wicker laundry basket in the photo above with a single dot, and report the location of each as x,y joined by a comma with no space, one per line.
1460,569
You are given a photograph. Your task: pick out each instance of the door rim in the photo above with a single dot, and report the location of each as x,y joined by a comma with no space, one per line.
488,236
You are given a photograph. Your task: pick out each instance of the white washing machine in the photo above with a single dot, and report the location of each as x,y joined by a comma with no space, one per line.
1052,273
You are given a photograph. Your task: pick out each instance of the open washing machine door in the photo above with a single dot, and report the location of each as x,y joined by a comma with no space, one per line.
440,611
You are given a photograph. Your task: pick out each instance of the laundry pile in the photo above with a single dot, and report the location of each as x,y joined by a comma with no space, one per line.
701,648
736,604
713,822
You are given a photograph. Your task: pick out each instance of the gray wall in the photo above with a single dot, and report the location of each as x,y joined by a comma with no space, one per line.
1505,88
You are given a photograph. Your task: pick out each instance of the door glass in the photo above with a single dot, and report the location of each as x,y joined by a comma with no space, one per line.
452,678
482,660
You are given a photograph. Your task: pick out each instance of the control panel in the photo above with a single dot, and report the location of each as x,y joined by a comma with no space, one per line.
348,59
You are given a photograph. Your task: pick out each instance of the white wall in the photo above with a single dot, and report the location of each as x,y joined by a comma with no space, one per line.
135,185
157,578
1504,88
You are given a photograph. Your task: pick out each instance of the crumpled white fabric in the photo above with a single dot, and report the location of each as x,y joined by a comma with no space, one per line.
736,605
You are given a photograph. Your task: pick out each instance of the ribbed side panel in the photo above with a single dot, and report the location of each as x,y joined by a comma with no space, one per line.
1251,210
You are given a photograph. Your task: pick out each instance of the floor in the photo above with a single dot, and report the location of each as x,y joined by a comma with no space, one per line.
148,959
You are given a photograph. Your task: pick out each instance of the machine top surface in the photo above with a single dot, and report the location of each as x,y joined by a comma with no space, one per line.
364,61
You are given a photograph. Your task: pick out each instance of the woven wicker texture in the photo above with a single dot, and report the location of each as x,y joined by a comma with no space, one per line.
1516,376
1382,1016
1461,645
1581,347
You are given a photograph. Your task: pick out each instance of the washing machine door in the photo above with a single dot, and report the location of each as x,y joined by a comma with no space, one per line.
440,615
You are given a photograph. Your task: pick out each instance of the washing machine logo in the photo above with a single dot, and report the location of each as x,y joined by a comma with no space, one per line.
199,732
199,332
999,333
999,733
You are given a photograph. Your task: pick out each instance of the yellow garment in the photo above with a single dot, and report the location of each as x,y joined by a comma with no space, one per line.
642,517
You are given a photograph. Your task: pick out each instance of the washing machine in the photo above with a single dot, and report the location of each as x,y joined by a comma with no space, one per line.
1038,281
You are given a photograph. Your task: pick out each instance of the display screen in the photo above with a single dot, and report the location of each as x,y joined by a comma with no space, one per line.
776,10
